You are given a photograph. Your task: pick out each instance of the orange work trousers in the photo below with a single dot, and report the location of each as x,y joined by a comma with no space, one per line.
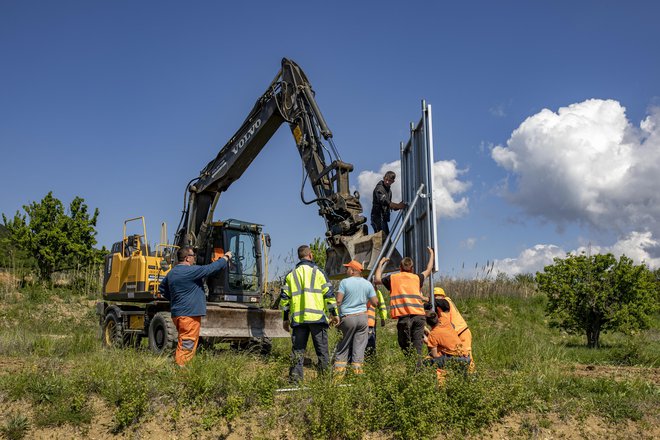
188,328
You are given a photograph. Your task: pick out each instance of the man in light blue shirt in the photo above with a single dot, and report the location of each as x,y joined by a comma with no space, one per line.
352,296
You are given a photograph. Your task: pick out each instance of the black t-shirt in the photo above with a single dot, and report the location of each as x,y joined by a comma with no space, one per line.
387,282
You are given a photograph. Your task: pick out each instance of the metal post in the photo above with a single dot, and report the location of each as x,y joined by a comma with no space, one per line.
390,248
386,245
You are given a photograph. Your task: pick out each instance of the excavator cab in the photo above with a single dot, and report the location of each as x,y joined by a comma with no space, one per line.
243,280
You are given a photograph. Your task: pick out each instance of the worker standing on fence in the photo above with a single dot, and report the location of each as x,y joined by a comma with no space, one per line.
306,300
353,295
382,204
406,300
458,322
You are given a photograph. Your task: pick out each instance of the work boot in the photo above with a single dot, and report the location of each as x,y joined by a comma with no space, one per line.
357,368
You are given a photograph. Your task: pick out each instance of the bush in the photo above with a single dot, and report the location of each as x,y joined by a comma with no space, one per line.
590,294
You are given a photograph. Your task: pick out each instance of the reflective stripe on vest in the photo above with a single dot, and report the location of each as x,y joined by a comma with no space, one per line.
371,310
371,316
405,297
308,303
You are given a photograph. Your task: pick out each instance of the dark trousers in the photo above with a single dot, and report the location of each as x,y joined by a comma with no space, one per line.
299,337
371,342
380,224
410,330
440,361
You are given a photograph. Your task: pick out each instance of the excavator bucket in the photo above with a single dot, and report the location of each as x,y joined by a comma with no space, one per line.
236,321
364,248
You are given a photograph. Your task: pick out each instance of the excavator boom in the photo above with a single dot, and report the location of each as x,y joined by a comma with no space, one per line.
289,98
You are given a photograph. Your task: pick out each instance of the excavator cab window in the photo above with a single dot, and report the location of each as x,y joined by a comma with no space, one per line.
243,270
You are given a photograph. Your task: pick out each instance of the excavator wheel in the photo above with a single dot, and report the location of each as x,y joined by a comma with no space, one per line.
112,331
162,333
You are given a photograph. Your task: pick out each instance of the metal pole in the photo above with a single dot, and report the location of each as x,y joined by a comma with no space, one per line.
405,219
386,246
390,249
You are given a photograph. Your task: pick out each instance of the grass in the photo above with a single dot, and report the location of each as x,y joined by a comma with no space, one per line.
16,427
522,365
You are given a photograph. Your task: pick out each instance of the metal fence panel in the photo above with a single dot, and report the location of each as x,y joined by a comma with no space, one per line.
417,168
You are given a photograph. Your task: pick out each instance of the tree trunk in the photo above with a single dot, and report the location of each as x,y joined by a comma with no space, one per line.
593,335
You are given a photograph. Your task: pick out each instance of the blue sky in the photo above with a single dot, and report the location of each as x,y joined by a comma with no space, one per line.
123,102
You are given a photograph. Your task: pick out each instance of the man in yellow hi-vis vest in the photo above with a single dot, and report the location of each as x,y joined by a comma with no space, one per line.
307,299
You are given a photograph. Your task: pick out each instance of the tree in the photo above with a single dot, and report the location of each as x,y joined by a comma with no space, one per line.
319,248
597,293
54,239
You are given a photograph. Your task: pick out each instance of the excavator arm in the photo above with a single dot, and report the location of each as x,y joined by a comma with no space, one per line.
289,98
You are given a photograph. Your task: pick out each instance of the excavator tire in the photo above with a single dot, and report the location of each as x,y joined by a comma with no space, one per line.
162,333
112,331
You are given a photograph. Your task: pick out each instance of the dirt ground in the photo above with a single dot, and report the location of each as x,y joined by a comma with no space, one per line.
515,426
618,372
557,426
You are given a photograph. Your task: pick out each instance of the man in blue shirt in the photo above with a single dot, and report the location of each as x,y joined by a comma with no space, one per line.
184,288
352,296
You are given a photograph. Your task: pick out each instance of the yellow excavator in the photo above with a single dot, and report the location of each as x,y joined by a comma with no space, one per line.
131,308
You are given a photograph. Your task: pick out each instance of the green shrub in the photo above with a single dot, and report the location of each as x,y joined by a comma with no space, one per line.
70,409
16,427
130,407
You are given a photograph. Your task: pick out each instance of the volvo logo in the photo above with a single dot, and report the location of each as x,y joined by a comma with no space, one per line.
246,137
237,146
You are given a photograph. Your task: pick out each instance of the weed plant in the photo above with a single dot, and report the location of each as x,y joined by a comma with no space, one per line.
16,427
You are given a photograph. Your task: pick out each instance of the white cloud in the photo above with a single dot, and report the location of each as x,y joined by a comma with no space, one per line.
447,191
469,243
530,260
641,247
586,164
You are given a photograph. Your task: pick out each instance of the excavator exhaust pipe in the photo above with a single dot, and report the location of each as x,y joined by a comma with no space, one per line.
363,248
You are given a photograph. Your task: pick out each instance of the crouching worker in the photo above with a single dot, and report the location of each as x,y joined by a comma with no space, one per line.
183,286
459,324
443,342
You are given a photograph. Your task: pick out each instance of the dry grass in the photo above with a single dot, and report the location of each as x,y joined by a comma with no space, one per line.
488,288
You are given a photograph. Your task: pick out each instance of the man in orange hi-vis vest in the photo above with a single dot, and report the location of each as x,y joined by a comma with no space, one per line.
406,300
458,323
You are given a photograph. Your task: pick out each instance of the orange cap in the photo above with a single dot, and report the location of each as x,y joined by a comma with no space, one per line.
354,265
